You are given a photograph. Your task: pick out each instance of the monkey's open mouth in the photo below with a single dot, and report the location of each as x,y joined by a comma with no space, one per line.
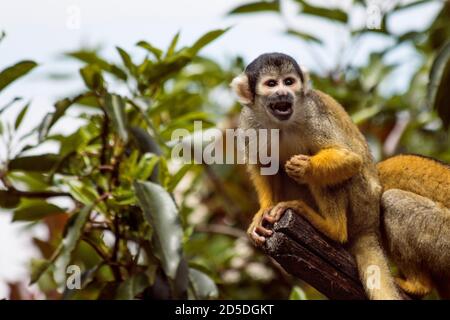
281,110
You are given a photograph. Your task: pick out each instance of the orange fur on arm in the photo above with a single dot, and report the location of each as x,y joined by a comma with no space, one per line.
263,188
334,165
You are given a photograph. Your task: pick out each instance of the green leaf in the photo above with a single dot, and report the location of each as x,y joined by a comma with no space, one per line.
257,7
35,210
147,144
60,109
147,46
126,59
297,294
92,59
38,163
162,214
38,268
10,104
304,36
206,39
160,71
30,181
41,266
173,45
202,285
132,286
332,14
437,94
92,77
8,200
72,237
85,194
10,74
115,107
145,167
124,197
20,116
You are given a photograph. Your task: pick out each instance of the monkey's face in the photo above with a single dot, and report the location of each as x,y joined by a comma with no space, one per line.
271,88
276,93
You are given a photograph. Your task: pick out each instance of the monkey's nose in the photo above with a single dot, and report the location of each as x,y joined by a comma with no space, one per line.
281,93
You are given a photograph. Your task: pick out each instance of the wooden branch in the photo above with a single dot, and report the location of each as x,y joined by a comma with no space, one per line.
305,253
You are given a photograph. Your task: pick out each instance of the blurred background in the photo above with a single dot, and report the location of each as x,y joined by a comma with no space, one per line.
90,93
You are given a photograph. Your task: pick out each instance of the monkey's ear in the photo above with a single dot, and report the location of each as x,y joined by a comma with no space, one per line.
306,80
241,87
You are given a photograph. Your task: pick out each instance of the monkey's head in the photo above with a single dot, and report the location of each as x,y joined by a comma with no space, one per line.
271,86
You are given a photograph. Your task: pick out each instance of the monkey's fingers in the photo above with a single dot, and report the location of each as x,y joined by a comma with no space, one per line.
260,230
267,217
278,212
292,169
257,239
296,172
303,157
300,160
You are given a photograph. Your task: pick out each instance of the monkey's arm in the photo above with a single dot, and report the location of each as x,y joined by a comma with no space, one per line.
329,166
266,201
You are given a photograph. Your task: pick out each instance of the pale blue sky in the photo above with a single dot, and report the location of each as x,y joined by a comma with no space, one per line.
38,30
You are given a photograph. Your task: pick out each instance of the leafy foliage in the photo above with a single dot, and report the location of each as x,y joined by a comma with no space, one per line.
106,168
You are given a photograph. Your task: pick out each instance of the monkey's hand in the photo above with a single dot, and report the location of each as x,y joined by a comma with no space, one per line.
261,227
298,168
258,231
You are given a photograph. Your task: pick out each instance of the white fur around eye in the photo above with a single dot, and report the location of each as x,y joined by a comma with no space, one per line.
241,87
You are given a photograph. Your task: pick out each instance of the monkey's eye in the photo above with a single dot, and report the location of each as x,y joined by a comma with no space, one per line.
289,81
271,83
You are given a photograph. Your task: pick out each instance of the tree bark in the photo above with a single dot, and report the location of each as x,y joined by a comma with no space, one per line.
305,253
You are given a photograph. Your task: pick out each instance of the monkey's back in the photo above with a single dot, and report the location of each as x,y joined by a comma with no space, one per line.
417,233
408,173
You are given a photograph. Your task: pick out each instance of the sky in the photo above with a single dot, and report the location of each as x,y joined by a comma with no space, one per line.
42,30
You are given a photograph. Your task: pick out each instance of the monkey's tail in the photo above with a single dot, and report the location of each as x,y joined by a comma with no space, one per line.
373,268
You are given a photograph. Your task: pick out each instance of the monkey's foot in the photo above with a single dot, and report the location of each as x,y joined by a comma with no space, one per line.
414,287
278,211
298,167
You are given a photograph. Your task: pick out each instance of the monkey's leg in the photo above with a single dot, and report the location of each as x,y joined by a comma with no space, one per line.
264,187
333,226
373,268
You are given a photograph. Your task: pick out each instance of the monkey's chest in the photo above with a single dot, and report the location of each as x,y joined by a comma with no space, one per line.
287,189
291,145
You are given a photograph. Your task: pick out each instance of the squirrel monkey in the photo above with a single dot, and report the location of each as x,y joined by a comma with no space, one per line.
329,176
416,222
